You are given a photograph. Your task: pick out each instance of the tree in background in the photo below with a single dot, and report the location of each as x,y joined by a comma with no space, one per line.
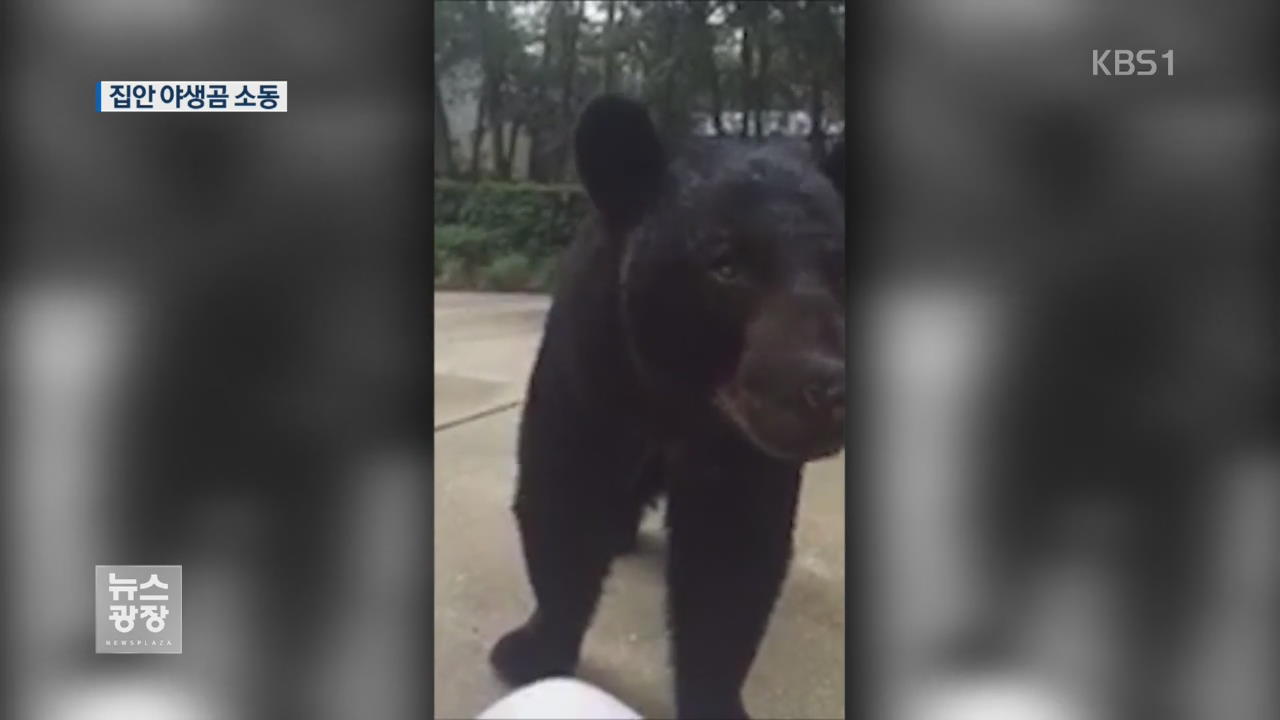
812,61
539,62
448,51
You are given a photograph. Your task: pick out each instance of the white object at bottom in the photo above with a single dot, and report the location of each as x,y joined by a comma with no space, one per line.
559,699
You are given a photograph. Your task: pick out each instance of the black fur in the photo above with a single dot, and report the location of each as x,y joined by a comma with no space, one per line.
710,275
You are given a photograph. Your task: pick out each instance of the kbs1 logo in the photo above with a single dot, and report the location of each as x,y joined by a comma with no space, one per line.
138,609
1122,63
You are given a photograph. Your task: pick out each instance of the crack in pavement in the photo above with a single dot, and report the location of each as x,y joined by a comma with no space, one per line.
477,415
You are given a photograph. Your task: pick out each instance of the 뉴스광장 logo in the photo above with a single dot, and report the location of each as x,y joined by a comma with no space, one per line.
138,609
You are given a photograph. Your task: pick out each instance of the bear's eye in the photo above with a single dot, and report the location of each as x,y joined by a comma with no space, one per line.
724,265
725,268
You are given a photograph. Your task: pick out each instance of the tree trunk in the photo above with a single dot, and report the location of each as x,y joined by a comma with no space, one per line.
570,59
746,70
717,104
666,98
537,157
707,56
443,139
817,137
493,62
477,138
610,50
540,123
763,51
500,164
480,17
508,159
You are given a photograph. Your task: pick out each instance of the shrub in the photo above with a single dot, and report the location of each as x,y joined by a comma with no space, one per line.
503,236
477,258
453,274
509,272
544,273
470,245
534,219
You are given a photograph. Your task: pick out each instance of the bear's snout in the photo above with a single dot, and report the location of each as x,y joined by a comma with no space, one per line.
789,404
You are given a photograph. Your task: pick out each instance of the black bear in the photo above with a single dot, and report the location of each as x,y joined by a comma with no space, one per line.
695,347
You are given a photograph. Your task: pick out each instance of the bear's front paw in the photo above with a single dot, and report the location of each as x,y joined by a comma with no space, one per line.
522,657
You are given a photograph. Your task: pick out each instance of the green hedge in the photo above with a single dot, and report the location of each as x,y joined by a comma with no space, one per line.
532,218
503,236
475,258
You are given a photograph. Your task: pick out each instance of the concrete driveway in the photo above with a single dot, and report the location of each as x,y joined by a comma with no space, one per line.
484,349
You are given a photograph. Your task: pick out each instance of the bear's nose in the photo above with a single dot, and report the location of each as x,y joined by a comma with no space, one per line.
825,390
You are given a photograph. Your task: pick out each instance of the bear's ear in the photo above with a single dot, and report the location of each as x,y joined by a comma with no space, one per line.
833,165
620,158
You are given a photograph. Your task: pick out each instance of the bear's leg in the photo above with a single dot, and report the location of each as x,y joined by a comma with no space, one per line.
730,547
567,532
